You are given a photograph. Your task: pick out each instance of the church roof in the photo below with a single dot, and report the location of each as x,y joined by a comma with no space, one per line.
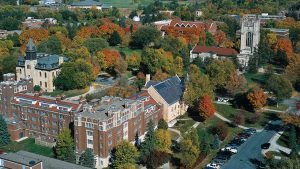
216,50
30,45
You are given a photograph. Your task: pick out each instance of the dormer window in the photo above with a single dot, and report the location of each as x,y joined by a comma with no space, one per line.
28,67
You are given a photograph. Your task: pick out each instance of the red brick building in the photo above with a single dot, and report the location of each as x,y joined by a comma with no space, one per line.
41,117
104,123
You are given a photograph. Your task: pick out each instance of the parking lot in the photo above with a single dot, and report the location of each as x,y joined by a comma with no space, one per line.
243,153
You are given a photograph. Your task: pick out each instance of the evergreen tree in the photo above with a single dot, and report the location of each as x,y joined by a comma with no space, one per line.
162,124
115,39
4,135
137,142
87,158
293,142
209,39
204,137
65,146
149,144
216,142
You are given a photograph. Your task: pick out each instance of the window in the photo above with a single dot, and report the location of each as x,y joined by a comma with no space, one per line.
110,134
41,83
40,74
90,141
33,119
249,39
109,142
89,125
45,84
1,163
28,66
89,133
45,75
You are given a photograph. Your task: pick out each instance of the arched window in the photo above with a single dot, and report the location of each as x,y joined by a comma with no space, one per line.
249,39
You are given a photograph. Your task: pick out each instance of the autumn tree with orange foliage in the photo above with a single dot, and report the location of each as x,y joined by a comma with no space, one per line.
107,58
219,37
37,36
289,118
286,46
257,99
87,32
192,35
206,107
108,28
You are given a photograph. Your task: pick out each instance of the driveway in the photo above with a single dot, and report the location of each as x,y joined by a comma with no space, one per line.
249,152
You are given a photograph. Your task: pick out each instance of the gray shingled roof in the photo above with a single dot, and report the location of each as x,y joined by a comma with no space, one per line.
50,163
171,89
86,3
20,159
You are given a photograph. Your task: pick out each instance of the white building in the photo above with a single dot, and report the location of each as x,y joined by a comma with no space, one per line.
205,52
42,68
250,35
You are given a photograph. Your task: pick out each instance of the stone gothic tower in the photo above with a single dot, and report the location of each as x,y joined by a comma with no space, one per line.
250,35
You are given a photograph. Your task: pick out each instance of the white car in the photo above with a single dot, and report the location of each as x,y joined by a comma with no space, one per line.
231,149
225,100
213,166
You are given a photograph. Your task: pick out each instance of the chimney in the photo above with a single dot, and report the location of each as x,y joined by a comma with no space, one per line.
147,78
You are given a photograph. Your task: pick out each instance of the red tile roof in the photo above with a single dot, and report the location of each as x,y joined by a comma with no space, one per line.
216,50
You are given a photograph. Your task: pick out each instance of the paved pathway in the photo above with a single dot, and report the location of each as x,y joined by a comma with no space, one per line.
277,111
91,91
179,133
276,147
227,120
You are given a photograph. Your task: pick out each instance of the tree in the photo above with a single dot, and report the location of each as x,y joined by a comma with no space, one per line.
125,153
4,135
236,83
196,86
188,153
219,72
159,75
115,39
204,138
257,99
162,124
163,141
50,46
95,44
157,158
293,142
65,146
107,58
289,118
37,88
74,75
144,36
239,118
216,142
209,39
148,145
37,35
221,129
206,107
137,141
280,86
87,158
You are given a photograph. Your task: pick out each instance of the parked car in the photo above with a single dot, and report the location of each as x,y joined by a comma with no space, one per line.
219,161
230,149
213,165
265,145
250,131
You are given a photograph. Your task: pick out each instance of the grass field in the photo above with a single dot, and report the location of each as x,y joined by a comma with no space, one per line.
257,78
229,112
69,93
132,4
28,145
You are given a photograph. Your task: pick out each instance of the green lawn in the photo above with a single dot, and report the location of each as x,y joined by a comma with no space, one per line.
284,139
184,125
229,112
281,107
28,145
255,78
68,93
126,50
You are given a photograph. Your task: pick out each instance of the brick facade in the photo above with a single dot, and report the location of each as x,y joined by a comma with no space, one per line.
104,123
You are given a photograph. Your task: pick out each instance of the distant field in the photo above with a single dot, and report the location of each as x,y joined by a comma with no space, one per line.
130,4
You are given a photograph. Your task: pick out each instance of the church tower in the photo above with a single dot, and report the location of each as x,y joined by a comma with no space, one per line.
250,35
30,51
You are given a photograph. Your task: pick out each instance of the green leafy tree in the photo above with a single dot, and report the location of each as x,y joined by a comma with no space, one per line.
157,159
74,75
50,46
144,36
4,135
87,158
162,124
216,142
65,146
137,141
115,39
188,153
197,85
209,39
280,86
219,72
204,138
37,88
125,153
95,44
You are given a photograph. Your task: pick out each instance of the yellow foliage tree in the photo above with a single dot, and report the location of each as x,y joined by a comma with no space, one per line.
257,99
163,141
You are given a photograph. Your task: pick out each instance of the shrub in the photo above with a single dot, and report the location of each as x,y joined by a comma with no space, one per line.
255,118
221,130
239,118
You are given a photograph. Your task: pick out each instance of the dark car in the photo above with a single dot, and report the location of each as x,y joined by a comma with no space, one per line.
250,131
265,145
219,161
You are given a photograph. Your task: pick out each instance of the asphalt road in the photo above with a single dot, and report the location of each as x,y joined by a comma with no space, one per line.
249,152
